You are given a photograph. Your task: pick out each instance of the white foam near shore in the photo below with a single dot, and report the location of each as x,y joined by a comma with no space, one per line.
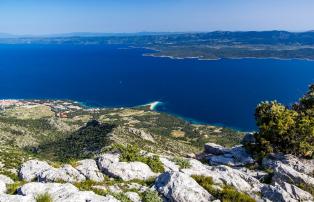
153,105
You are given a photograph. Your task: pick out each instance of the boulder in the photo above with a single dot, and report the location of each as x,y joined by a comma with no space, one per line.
169,165
215,149
16,198
305,166
179,187
110,165
285,173
135,186
141,133
296,193
66,174
197,168
31,169
225,175
115,189
223,160
236,178
240,154
62,192
89,169
276,194
133,196
258,174
3,187
6,179
236,156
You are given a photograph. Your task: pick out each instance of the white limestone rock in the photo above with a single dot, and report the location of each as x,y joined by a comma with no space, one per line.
225,175
133,196
236,156
169,165
296,193
179,187
16,198
66,174
3,187
215,149
285,173
31,169
89,169
305,166
62,192
110,165
276,194
142,133
240,154
6,179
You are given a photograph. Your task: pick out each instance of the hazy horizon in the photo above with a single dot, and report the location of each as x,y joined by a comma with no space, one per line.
49,17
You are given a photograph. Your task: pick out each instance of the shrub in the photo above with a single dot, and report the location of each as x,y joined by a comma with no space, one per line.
227,194
12,188
307,187
43,198
281,129
121,197
130,153
205,182
181,162
83,143
231,194
151,196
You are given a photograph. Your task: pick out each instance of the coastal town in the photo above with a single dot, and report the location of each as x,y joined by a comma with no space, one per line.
59,107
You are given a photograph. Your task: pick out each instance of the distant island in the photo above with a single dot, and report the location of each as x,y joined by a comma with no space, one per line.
205,46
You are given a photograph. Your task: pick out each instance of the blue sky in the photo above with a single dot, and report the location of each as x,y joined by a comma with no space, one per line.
64,16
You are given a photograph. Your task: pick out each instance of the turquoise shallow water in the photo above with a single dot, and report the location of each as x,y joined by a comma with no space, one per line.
223,92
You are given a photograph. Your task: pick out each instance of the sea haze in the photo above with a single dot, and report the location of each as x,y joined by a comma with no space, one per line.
223,92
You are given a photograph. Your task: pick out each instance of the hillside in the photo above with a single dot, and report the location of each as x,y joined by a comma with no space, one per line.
46,129
58,150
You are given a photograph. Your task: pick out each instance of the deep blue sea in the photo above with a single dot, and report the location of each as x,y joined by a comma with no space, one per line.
223,92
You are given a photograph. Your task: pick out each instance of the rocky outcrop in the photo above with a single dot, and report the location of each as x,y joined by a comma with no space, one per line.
4,181
276,194
65,174
219,155
179,187
89,169
110,165
215,149
16,198
142,134
62,192
296,193
227,167
225,175
289,169
31,169
133,196
43,172
283,172
169,165
301,165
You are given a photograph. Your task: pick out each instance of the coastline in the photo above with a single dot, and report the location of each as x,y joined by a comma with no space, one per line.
201,58
153,106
